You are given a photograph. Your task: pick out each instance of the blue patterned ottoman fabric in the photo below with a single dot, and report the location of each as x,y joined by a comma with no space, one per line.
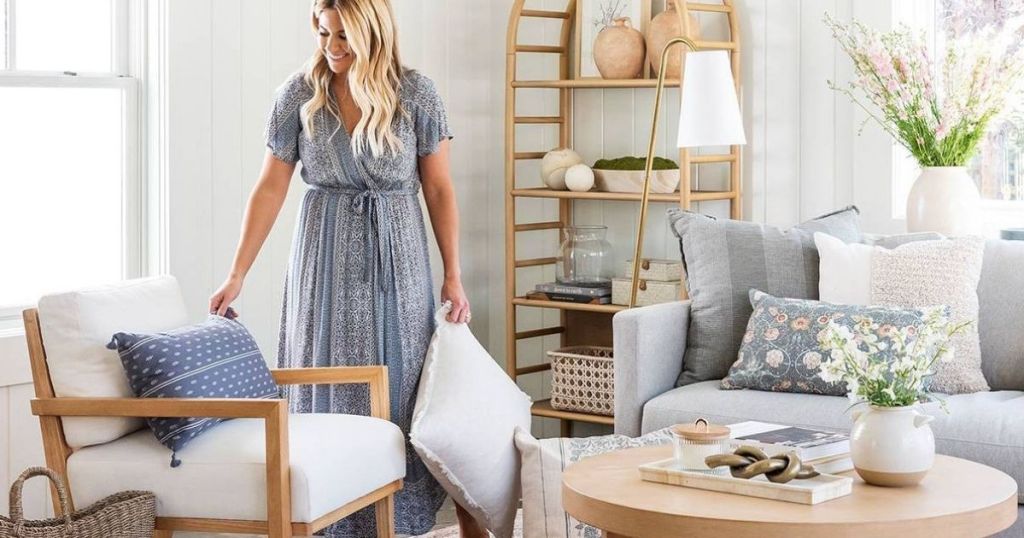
780,350
217,358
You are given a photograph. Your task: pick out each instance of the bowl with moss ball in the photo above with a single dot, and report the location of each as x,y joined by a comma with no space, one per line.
626,174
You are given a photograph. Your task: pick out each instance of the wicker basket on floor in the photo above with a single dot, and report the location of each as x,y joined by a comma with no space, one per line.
128,514
583,379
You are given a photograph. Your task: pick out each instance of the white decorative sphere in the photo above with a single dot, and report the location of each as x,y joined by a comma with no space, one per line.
579,178
554,165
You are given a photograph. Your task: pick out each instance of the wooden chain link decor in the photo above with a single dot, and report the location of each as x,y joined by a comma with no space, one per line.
748,462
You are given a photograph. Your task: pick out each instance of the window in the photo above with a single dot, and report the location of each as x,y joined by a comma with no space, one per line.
998,167
70,147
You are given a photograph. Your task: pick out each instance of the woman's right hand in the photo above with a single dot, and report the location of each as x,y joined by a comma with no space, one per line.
225,295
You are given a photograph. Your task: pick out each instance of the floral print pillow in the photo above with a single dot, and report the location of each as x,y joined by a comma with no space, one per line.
780,350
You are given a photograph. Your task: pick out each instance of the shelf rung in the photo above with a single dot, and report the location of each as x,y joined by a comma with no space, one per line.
534,226
702,159
706,196
541,48
544,192
594,83
716,45
607,308
533,369
700,6
524,155
544,14
542,408
539,119
533,262
523,335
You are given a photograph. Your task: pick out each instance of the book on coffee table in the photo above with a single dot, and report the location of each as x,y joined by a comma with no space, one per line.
809,444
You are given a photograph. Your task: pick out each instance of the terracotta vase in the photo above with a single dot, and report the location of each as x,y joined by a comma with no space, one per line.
619,50
665,26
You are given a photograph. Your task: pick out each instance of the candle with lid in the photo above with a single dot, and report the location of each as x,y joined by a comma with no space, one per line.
694,442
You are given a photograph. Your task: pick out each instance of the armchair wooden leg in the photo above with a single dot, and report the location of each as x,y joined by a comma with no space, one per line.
385,512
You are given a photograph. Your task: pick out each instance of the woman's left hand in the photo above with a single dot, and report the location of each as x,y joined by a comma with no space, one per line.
452,291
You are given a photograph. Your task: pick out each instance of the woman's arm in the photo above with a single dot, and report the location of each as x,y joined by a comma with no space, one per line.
261,211
439,193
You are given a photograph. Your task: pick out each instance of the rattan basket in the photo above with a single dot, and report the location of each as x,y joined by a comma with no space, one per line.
128,514
583,379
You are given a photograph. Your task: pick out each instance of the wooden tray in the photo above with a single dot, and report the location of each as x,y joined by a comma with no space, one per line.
815,490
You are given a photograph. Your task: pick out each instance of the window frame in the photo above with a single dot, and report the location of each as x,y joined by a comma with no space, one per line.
128,51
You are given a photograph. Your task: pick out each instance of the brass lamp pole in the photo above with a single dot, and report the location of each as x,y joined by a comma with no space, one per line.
650,163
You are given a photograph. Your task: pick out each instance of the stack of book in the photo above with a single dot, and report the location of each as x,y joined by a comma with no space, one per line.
554,291
828,452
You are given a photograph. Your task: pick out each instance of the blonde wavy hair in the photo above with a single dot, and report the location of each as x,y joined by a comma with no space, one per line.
373,78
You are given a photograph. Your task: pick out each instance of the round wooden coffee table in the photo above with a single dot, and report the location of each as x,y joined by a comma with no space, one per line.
957,498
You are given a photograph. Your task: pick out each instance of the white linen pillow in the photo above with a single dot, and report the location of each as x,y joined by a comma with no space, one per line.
914,274
844,270
467,411
542,464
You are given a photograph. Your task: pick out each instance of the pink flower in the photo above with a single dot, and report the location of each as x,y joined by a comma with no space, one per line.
771,334
942,130
812,360
781,317
748,336
774,358
800,324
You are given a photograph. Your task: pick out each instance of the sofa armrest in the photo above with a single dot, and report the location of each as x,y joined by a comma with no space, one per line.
649,344
374,376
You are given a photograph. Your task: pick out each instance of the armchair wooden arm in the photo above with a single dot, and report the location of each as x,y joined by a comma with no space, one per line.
274,412
375,376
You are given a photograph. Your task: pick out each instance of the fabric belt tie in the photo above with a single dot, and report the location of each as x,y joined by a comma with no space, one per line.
377,249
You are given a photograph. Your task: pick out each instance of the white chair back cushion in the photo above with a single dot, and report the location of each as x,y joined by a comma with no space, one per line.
76,327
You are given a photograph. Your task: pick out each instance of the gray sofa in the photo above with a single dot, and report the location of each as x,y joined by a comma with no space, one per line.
985,427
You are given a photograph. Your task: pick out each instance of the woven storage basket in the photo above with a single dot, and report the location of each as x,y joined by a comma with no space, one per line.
583,379
128,514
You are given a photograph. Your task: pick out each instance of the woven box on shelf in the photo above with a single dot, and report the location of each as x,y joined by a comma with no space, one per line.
583,379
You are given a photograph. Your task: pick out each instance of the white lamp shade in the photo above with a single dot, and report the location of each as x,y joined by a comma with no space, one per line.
709,114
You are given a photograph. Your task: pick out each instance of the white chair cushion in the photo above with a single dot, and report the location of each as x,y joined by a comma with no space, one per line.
335,459
76,327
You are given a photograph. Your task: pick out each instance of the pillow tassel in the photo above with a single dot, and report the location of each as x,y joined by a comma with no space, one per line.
174,459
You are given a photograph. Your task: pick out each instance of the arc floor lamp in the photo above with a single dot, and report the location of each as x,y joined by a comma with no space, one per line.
709,115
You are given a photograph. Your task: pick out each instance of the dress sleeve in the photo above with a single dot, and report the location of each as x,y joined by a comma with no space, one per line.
431,118
283,126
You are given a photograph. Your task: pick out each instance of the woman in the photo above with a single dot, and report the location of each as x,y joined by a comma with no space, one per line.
358,289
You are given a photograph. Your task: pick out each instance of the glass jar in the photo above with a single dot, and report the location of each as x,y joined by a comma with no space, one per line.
694,442
585,257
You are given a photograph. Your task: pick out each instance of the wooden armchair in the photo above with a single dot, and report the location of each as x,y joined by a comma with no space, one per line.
215,489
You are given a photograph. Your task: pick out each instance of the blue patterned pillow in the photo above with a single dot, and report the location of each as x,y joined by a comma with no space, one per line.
217,358
780,350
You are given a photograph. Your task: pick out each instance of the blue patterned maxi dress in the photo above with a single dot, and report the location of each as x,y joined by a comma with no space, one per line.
358,289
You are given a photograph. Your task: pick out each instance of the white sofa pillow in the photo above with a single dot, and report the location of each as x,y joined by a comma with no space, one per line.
76,327
467,412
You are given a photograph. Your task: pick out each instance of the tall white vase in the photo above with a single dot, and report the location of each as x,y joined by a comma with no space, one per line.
944,199
892,446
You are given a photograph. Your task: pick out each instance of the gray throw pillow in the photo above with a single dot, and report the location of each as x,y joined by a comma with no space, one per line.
725,259
780,350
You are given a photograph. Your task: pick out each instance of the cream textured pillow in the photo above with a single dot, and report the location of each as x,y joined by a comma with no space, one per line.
915,274
467,411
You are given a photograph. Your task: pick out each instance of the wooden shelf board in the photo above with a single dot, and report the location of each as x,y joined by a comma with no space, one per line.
544,192
594,83
609,308
542,408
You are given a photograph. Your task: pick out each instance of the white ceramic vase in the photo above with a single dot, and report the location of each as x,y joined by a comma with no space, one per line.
892,446
944,199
